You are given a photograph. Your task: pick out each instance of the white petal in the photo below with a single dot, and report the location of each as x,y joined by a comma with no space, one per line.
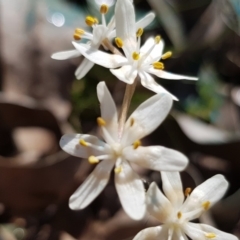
211,190
99,57
168,75
70,144
99,33
148,82
131,192
157,204
156,158
146,118
125,25
107,2
92,186
83,68
172,187
108,109
145,21
156,53
199,231
66,55
153,233
125,74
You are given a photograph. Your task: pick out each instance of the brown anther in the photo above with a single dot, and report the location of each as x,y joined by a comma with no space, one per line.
136,144
139,32
179,215
206,205
104,9
132,121
187,192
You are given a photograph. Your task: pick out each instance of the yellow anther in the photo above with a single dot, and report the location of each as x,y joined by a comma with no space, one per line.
210,235
96,21
118,169
187,192
83,143
79,31
132,121
135,56
139,32
90,21
77,36
119,42
136,144
157,39
104,9
166,55
206,205
101,122
158,65
179,215
93,160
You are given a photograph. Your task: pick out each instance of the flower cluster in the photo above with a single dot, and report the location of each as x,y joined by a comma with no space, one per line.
119,145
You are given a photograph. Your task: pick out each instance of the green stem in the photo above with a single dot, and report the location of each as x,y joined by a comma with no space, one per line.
129,91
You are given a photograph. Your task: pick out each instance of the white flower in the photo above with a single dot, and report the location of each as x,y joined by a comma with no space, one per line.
118,152
175,213
99,33
138,61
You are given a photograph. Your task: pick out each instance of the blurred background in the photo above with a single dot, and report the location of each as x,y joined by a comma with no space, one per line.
40,100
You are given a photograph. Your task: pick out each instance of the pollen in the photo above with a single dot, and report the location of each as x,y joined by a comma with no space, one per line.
158,65
139,32
206,205
187,192
210,235
157,39
118,169
119,42
179,215
166,55
101,122
136,144
79,31
132,121
104,9
89,20
135,56
93,160
83,143
77,36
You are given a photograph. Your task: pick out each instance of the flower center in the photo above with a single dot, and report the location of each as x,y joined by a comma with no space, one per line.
116,149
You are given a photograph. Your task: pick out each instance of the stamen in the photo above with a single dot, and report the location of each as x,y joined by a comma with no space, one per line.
118,169
77,36
101,122
210,235
79,31
119,42
136,144
93,160
135,56
83,143
166,55
132,121
157,39
179,215
104,9
187,192
90,21
206,205
139,32
158,65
